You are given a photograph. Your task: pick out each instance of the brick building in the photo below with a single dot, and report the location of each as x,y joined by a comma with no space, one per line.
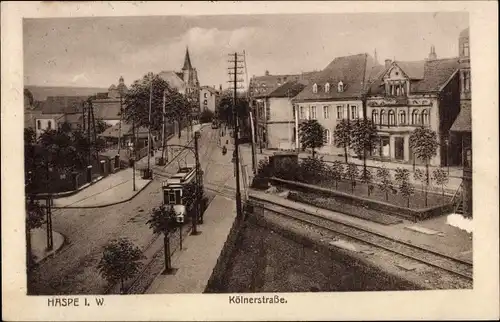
410,94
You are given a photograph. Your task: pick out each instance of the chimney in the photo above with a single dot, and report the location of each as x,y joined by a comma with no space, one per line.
432,54
388,63
220,87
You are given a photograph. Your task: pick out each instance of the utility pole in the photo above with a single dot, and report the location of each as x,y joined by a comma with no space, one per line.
50,238
163,130
252,125
120,124
134,153
196,215
149,126
235,71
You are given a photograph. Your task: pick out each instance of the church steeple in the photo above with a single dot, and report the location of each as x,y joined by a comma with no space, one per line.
187,61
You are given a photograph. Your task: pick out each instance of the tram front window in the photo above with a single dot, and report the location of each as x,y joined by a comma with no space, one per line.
171,197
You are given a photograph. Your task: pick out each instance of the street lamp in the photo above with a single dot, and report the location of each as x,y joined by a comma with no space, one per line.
446,143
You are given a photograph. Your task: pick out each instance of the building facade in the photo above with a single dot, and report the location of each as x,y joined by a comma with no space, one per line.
408,95
209,98
259,89
337,93
462,127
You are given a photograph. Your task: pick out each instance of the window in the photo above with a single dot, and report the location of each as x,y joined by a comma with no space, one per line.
467,80
327,87
302,113
354,112
340,112
398,90
38,124
414,117
465,50
205,95
425,117
375,119
49,125
171,197
326,136
315,88
340,87
382,118
392,117
402,117
312,113
326,112
205,102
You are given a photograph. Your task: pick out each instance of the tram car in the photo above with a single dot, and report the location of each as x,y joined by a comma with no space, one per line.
173,190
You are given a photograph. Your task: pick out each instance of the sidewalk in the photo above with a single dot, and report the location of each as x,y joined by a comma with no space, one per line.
198,258
434,234
39,244
117,187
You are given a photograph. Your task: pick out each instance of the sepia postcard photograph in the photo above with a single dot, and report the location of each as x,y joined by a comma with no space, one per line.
249,160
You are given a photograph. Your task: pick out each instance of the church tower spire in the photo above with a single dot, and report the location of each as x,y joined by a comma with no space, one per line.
187,61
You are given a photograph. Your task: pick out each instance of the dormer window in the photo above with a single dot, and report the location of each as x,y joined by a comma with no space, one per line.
327,87
340,87
315,88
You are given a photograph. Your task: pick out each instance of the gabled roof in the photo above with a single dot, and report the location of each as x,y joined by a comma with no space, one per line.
436,74
413,69
63,104
173,79
210,89
355,72
126,130
107,109
289,89
262,86
463,122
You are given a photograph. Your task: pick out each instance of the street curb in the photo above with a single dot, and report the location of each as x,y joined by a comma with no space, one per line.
106,205
133,196
64,243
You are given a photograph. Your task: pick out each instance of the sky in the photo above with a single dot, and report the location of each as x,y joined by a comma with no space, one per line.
96,51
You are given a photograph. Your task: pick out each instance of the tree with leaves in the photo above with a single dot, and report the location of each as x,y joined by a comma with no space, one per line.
441,178
336,170
137,99
385,181
121,260
34,219
206,116
163,221
311,135
423,142
367,178
402,177
363,136
311,169
342,136
352,174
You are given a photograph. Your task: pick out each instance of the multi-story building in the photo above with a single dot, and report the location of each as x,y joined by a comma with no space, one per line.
337,93
107,105
260,88
408,95
462,127
209,98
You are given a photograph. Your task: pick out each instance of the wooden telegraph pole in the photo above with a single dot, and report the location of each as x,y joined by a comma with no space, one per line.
234,71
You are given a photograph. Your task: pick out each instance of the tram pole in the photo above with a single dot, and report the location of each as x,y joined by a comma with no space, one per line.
196,214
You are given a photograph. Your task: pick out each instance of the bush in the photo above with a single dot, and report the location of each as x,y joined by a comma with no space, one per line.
286,169
264,169
311,170
206,116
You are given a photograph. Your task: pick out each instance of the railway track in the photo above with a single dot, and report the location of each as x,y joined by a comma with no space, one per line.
432,258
